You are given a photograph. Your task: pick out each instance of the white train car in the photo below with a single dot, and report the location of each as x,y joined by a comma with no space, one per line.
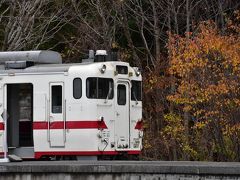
50,109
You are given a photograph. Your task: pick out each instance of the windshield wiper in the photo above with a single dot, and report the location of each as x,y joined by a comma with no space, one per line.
109,93
134,96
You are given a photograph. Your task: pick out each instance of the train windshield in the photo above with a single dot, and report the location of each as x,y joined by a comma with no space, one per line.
136,91
99,88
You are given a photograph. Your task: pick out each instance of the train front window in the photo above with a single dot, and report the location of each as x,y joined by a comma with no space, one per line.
105,88
92,88
99,88
136,91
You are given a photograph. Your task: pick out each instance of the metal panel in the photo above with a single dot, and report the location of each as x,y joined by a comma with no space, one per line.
40,101
23,152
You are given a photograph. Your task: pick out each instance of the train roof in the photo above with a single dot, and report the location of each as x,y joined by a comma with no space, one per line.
51,68
50,62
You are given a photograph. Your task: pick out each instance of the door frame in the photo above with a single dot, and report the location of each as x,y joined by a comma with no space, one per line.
11,94
127,84
56,121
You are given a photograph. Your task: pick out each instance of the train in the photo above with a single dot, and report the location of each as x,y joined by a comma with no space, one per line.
55,110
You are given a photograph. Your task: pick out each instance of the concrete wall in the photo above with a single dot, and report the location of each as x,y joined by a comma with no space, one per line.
63,176
117,170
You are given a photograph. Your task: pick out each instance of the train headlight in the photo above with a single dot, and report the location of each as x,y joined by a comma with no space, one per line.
137,71
103,68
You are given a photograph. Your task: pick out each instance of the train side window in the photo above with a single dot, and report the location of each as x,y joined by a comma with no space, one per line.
136,91
121,94
57,99
77,88
99,88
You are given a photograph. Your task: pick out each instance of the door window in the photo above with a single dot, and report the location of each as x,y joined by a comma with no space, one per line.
56,99
121,91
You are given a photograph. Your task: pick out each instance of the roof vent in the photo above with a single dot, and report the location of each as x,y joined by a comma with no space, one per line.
36,57
18,64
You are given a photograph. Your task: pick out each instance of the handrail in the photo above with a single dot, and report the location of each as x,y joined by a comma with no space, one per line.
48,119
64,120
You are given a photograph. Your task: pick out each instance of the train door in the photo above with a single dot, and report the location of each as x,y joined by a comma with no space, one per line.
20,119
122,115
56,120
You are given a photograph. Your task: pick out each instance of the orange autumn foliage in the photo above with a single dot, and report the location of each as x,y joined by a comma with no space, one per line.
206,68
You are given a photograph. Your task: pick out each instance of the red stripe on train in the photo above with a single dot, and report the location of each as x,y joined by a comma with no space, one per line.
139,125
80,153
70,125
39,125
83,153
1,126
